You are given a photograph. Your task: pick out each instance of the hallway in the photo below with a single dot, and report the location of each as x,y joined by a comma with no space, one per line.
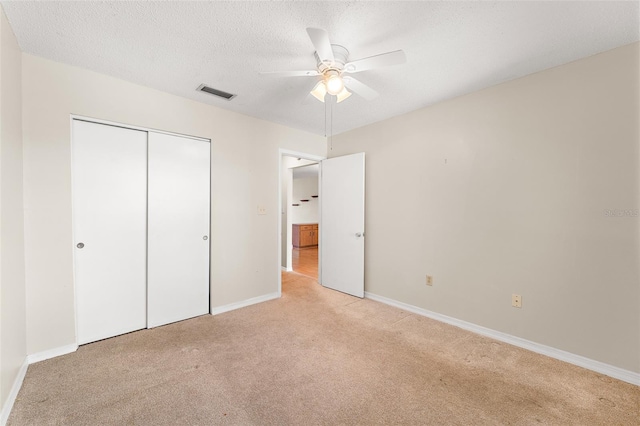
305,261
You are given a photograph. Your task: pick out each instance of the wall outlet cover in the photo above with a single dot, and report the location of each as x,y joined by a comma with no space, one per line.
516,301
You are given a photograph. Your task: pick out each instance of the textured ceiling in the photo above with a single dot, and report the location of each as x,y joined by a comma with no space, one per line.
452,48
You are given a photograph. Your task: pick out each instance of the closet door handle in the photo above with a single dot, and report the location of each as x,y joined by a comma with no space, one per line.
205,238
80,245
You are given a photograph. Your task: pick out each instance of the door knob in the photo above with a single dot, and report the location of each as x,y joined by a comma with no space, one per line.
358,234
80,245
205,238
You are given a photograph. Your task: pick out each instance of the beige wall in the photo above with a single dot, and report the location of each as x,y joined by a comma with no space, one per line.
13,350
504,191
245,159
303,189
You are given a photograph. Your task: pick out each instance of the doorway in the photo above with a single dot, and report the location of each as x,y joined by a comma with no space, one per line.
340,234
299,180
305,218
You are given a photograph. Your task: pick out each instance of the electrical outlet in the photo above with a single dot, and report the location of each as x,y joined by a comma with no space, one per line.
262,210
516,301
429,280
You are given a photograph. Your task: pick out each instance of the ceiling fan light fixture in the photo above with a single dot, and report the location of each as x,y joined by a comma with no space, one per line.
319,91
334,83
343,95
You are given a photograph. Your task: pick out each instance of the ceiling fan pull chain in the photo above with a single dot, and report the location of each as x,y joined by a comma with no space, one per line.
331,128
325,119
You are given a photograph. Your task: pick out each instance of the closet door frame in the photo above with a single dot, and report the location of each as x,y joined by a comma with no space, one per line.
73,117
131,126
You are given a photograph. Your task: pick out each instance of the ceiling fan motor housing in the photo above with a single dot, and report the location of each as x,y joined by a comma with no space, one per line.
340,56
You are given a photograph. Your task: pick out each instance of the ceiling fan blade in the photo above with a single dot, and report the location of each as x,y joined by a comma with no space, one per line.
320,40
360,88
310,73
384,59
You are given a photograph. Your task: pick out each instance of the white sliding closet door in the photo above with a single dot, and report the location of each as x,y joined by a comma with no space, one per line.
109,225
178,228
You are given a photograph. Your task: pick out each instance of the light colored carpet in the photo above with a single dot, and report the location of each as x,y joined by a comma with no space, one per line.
315,356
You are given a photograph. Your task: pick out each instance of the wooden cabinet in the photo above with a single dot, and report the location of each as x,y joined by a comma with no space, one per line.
305,235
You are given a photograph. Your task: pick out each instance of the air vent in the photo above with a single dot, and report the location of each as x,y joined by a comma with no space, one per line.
215,92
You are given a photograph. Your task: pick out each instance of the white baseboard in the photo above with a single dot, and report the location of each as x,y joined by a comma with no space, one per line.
590,364
17,383
51,353
286,269
13,393
244,303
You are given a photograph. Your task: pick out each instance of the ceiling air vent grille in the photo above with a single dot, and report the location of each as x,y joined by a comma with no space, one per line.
215,92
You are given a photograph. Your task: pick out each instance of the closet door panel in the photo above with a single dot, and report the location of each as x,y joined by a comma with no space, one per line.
178,228
109,219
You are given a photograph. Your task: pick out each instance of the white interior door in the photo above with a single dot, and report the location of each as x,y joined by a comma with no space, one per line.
342,224
109,167
178,227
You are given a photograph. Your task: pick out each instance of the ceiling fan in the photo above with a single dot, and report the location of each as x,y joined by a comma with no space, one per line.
332,65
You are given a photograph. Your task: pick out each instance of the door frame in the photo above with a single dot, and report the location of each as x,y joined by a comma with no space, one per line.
312,157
